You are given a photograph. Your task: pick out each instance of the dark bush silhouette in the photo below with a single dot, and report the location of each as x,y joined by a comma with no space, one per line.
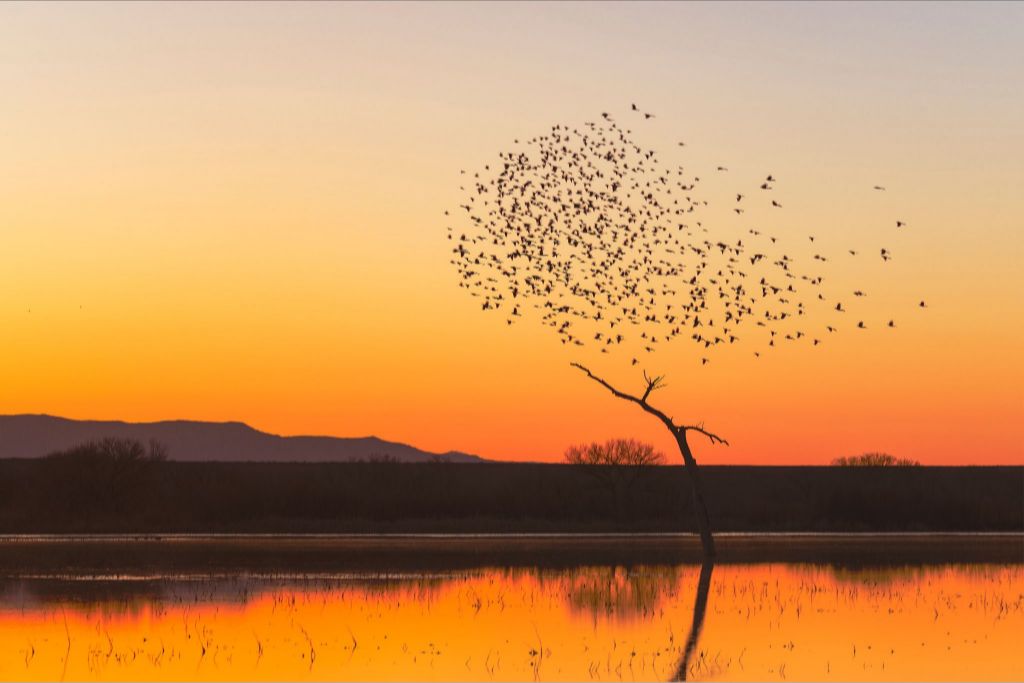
875,460
616,464
105,478
621,452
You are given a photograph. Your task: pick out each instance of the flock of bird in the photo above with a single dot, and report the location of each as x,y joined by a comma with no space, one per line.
613,248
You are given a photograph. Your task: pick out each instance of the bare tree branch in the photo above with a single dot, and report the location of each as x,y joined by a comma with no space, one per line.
642,402
653,383
700,430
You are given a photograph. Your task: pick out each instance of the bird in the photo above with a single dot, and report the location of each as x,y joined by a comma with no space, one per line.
900,224
922,305
617,248
879,187
861,325
892,323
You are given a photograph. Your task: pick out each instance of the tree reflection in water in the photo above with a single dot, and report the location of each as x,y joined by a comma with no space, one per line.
700,606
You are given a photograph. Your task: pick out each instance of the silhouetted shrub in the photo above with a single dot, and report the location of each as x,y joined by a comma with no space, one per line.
617,464
875,460
108,477
621,452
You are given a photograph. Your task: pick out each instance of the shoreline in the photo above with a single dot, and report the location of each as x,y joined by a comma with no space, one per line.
456,536
151,555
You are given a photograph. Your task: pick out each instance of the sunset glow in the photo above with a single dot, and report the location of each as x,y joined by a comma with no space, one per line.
236,212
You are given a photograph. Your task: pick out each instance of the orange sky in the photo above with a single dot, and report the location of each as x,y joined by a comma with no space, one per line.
234,212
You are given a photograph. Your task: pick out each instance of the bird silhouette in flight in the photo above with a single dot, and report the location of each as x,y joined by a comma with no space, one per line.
599,238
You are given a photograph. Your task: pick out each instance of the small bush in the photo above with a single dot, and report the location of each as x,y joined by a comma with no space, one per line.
623,452
875,460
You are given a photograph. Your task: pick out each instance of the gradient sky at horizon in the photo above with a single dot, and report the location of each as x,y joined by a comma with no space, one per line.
235,212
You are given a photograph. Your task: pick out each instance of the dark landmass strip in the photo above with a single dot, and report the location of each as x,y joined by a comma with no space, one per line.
34,436
61,496
106,559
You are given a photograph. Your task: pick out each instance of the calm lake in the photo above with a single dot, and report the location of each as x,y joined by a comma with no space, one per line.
507,609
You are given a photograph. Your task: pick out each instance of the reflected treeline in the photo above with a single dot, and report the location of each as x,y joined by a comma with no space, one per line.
609,592
888,575
128,595
612,592
620,592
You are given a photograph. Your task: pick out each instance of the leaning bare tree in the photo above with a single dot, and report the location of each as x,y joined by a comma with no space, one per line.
611,247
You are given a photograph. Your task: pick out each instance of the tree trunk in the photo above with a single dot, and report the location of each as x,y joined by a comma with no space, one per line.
700,508
679,432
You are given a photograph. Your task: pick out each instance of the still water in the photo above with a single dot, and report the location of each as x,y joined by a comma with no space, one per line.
770,621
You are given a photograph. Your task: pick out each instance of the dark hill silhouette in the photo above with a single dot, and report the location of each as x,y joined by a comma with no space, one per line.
33,436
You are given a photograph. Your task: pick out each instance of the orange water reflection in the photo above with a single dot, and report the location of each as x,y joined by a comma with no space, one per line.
773,621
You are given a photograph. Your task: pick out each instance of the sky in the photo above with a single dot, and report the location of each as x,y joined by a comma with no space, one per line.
236,212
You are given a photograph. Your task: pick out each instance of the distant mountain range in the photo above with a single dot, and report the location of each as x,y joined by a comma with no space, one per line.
34,436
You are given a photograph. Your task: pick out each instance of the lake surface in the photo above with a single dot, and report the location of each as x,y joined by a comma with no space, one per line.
105,609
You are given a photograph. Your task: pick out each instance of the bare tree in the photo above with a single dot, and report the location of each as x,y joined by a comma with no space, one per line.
617,452
617,463
613,248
